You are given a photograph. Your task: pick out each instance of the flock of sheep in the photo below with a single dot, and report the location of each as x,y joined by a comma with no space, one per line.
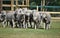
24,18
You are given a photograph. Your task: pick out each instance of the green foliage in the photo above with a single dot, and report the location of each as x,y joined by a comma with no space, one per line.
51,2
33,4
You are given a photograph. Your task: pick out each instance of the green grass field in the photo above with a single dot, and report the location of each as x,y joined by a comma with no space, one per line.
54,32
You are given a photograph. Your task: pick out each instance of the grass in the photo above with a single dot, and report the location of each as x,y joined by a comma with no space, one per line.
54,32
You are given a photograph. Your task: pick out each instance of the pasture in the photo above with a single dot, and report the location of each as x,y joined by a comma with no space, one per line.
54,32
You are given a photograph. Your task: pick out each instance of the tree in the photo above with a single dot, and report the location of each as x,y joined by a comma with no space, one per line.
33,5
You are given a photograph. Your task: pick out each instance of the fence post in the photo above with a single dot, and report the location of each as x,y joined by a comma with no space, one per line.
37,8
12,3
43,5
0,6
16,4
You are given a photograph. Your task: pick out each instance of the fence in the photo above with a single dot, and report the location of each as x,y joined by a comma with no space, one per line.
57,14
